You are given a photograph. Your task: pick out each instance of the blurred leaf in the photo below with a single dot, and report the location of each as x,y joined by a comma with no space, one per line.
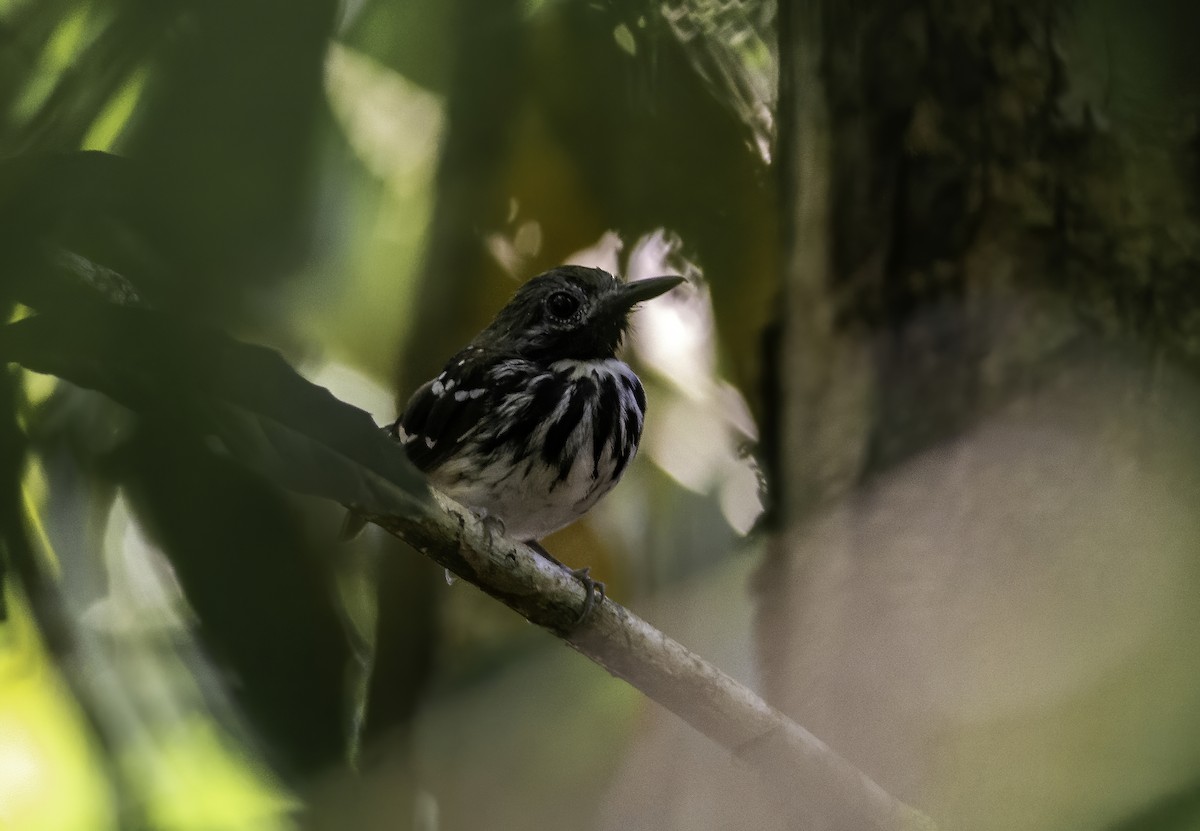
226,125
217,100
83,225
409,37
264,599
462,286
1178,811
14,542
258,586
25,31
53,774
103,44
261,411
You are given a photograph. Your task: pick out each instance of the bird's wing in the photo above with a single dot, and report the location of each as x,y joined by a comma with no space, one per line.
443,412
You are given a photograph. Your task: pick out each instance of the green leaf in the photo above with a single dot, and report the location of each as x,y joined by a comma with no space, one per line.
259,584
244,397
81,226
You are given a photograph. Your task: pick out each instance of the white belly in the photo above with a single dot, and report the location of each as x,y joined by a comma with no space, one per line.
533,497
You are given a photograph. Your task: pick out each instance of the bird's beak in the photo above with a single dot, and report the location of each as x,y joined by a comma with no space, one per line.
631,294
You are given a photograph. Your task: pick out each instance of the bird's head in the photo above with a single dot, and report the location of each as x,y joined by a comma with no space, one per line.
570,312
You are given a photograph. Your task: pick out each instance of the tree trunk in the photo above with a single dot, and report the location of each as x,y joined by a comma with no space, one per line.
983,552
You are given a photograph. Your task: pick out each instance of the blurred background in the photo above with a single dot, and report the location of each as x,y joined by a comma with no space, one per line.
921,463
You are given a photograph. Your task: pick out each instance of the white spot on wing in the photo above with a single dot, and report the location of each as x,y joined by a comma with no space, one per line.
477,392
438,388
461,395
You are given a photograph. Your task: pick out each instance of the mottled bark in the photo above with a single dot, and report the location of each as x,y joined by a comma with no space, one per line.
986,356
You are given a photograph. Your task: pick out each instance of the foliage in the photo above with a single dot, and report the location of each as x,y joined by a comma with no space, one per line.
192,202
123,274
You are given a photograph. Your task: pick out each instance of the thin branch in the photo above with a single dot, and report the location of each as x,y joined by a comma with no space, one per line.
666,671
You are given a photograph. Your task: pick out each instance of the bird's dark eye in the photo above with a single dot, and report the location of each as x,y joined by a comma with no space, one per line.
562,305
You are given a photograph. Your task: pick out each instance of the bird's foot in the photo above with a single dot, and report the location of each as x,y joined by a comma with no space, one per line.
491,523
591,588
493,526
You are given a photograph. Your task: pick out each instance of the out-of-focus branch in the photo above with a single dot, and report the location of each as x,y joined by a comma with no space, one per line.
665,670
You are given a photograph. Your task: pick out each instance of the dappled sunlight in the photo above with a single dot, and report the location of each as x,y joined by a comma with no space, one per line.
50,770
514,248
351,384
371,247
702,425
135,660
393,125
158,692
195,778
68,38
144,599
940,285
107,129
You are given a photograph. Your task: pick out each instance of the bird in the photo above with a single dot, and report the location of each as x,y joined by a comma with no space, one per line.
536,419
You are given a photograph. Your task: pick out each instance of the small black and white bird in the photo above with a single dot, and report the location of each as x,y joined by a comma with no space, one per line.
536,419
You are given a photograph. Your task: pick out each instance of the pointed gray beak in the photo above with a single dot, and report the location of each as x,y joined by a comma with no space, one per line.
633,293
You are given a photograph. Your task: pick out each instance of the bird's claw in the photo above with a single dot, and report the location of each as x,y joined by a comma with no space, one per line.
492,524
591,588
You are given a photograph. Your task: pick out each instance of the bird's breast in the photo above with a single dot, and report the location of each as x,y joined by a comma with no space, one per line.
557,442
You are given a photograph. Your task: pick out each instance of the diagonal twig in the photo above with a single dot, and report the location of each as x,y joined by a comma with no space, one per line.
666,671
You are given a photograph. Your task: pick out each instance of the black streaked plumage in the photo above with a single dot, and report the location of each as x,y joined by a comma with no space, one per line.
604,421
536,419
